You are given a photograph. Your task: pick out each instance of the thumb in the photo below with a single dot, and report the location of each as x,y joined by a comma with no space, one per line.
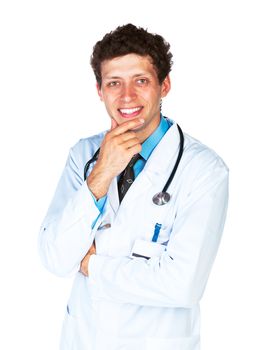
114,124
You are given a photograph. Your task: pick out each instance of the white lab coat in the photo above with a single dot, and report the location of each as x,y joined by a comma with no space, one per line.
134,303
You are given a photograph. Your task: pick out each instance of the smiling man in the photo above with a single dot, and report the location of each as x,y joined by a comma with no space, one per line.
140,268
130,88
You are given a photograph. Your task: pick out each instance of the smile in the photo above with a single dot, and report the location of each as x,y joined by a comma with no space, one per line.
130,112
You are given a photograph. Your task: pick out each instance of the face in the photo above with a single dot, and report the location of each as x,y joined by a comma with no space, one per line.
130,89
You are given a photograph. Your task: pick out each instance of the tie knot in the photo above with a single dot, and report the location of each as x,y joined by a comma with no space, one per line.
134,160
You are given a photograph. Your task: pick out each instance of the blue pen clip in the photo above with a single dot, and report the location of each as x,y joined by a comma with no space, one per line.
156,232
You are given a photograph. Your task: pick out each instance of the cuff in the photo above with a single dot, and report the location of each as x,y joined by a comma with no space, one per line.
100,202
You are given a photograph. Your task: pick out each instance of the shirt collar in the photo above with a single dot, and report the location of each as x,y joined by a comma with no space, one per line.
151,142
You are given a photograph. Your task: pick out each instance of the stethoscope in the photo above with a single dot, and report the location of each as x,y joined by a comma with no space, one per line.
162,197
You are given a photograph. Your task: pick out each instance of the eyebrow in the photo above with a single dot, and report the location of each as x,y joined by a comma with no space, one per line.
134,76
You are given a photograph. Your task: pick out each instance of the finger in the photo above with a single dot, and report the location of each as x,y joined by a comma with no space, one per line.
131,142
114,124
135,150
126,136
128,125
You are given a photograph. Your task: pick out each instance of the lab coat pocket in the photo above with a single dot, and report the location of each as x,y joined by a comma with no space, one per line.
159,233
186,343
146,249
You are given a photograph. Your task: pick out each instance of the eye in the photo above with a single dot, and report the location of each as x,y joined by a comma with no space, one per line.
142,81
113,83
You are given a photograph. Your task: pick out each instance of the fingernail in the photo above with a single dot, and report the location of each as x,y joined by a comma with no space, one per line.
141,120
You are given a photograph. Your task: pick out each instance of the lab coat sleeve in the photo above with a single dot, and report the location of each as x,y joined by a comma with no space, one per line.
179,276
66,233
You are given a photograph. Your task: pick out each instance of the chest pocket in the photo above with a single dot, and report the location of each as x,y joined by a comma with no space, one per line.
162,224
154,244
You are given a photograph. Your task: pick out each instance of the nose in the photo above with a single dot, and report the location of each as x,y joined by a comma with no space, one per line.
128,93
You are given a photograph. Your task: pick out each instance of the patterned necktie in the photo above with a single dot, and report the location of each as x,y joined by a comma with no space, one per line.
127,177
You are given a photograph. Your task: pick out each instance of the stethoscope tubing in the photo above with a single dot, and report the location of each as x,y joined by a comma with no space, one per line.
93,159
171,177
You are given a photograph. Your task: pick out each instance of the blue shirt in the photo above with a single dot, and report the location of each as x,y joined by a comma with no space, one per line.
147,148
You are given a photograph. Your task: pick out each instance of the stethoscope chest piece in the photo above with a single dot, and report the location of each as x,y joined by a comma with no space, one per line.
161,198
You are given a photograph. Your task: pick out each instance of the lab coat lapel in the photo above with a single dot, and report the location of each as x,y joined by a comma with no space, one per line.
139,186
113,195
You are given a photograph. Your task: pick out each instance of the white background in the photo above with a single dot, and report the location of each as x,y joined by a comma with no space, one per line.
48,102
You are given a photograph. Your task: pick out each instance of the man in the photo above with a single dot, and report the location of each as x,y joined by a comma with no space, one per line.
140,268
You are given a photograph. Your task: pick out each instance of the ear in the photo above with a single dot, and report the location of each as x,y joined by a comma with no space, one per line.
165,86
99,91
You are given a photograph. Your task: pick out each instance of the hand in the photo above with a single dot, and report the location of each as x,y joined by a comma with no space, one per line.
85,261
118,147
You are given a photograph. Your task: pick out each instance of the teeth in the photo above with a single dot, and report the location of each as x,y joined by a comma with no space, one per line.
130,110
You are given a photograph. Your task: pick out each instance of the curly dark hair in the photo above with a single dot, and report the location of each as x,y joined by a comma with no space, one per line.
131,39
